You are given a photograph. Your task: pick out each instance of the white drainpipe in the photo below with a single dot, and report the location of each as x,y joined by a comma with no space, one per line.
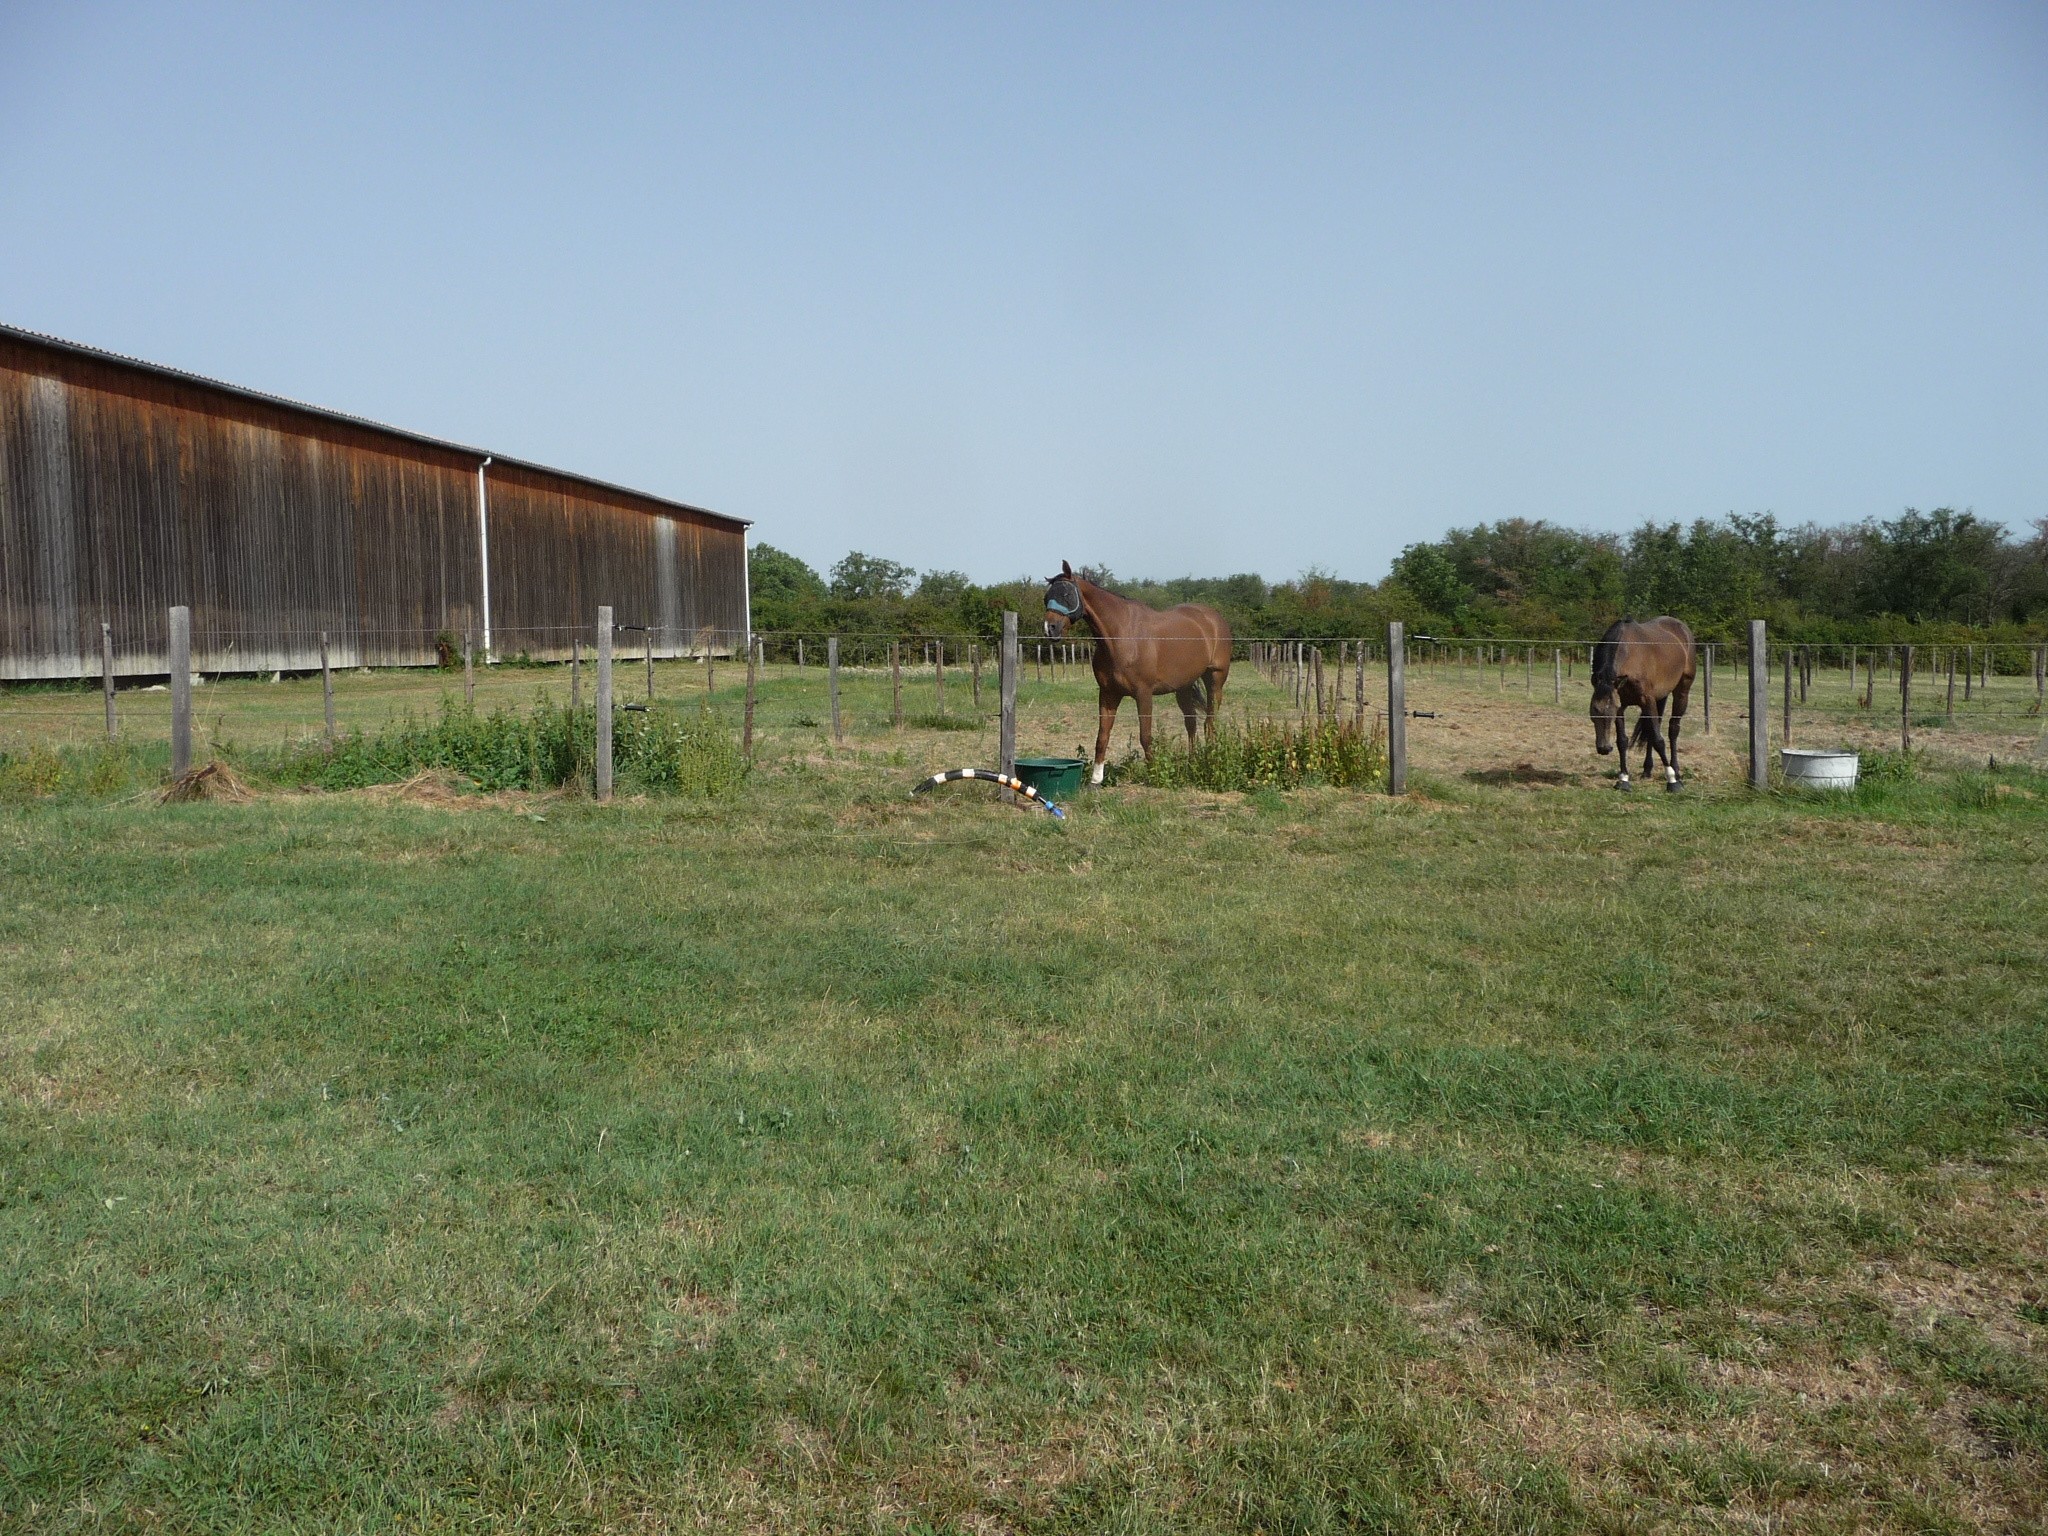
483,542
746,591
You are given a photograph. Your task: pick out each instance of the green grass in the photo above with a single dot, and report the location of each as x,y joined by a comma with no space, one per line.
816,1158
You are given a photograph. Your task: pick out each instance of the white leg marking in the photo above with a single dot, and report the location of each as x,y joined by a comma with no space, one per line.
1095,777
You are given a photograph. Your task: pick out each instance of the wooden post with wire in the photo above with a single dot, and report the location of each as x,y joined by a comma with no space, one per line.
181,689
1759,707
1397,710
1906,698
747,729
896,684
939,676
1006,733
1788,698
832,682
107,675
326,689
604,703
1707,691
974,672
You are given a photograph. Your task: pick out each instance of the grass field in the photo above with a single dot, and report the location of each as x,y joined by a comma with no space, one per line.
1517,1156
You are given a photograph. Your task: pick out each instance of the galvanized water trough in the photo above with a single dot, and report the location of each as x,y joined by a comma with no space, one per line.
1807,768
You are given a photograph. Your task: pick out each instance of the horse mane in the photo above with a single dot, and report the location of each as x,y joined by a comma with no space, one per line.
1605,650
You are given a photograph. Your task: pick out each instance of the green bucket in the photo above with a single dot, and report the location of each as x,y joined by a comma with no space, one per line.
1056,778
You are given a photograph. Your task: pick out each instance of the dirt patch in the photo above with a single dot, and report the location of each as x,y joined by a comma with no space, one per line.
1521,773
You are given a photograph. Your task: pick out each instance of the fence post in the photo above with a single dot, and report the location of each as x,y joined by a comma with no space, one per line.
1906,698
1556,676
939,675
747,730
1006,736
575,671
1788,696
1397,711
1950,709
896,684
647,650
604,703
2040,675
107,675
1759,707
181,689
1707,692
326,689
710,671
1358,700
832,682
974,669
468,671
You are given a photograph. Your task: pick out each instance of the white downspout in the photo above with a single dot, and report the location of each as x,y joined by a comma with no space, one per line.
483,544
746,590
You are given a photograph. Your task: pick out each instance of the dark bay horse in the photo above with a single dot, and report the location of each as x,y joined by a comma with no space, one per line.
1140,651
1640,666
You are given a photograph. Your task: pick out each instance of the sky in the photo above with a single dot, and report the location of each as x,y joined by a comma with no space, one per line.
1168,289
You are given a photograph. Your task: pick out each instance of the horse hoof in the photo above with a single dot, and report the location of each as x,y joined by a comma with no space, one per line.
1672,787
1624,784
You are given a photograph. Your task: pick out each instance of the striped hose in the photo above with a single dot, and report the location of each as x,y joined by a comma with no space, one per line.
952,774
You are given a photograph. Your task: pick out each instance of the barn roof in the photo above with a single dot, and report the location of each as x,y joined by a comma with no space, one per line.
159,370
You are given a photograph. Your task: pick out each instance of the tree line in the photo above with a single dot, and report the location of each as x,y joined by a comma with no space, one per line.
1922,576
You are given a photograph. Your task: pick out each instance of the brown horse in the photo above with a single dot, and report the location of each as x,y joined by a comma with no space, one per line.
1640,666
1140,651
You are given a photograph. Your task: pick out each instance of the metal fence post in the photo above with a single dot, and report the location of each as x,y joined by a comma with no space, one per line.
1906,699
1397,711
832,682
604,703
1759,708
181,689
1006,737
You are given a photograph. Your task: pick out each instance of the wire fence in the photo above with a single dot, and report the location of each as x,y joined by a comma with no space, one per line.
266,683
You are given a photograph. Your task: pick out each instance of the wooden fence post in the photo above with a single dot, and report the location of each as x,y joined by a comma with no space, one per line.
181,689
604,703
1906,698
1556,676
1358,699
1006,734
647,652
1759,707
1788,697
974,670
1397,711
747,730
939,675
832,682
468,672
896,684
1707,692
107,676
710,671
326,689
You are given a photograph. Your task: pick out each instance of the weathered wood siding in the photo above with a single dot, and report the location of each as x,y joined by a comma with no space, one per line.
125,489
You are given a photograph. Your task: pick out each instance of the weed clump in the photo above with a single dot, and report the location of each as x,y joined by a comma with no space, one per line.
547,747
1265,754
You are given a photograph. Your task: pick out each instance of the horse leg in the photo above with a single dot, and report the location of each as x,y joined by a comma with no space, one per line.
1190,700
1657,745
1106,708
1214,678
1144,697
1679,698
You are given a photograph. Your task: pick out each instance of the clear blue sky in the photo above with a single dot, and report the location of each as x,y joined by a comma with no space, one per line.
1171,288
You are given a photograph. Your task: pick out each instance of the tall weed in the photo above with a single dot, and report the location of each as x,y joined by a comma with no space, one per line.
1266,754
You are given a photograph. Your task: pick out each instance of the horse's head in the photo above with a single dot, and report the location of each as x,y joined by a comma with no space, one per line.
1606,712
1062,601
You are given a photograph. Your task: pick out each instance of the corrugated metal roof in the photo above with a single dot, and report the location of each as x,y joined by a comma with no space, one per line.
99,354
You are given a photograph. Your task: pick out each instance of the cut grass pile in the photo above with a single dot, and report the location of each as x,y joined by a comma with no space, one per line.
1506,1158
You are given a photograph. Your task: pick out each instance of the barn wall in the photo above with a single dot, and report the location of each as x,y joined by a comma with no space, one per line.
124,491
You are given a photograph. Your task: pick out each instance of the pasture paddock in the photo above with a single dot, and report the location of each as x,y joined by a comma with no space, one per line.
1490,1159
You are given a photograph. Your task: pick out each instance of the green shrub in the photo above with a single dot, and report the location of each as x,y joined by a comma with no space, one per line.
1265,754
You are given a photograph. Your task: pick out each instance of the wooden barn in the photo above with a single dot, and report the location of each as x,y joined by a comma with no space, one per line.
126,488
